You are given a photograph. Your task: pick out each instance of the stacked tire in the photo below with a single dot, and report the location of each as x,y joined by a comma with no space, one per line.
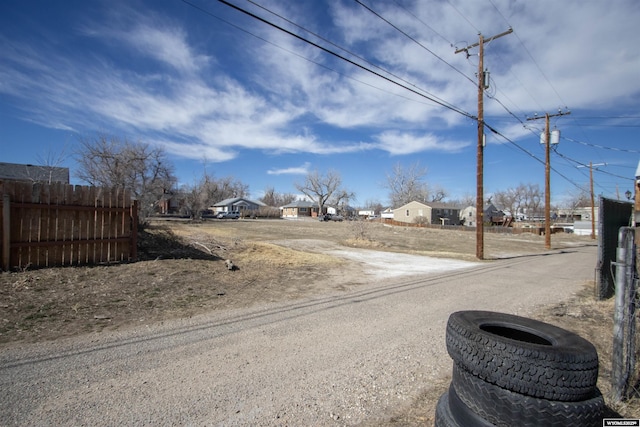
514,371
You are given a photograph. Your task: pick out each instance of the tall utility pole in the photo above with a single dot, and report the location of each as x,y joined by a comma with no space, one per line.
482,85
593,208
636,205
547,176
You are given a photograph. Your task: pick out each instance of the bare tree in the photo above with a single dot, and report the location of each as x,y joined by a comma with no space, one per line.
341,199
523,198
111,162
437,194
406,184
273,198
534,198
193,199
219,189
320,188
207,191
508,199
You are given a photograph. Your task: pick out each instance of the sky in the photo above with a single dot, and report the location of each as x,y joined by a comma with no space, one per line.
356,87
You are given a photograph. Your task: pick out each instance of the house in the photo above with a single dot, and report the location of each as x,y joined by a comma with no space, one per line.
428,213
237,204
299,209
491,214
387,213
366,212
344,210
33,173
579,213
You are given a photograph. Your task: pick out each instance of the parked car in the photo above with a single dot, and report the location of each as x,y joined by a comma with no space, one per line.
228,215
330,217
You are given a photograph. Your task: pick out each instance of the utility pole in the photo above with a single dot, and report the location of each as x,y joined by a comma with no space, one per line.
636,204
547,176
593,209
482,85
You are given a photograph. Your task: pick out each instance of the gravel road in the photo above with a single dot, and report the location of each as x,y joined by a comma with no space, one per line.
337,359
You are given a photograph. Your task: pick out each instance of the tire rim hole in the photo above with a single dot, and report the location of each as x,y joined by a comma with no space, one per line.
515,334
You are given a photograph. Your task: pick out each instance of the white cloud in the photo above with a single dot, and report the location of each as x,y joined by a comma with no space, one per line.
296,170
399,143
282,103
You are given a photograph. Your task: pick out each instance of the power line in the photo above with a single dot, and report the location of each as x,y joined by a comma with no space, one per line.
413,39
587,144
437,101
422,22
430,97
530,154
311,60
342,49
464,17
531,57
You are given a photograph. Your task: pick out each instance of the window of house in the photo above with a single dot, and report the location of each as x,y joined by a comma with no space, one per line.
407,213
303,209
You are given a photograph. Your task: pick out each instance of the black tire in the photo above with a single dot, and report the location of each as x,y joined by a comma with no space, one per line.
523,355
451,412
505,408
444,417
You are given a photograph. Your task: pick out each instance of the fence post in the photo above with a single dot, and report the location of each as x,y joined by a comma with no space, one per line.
133,251
6,231
623,358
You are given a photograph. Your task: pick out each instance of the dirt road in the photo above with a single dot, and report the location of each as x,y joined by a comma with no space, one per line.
340,358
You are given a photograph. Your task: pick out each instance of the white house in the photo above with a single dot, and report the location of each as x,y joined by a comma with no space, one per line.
237,204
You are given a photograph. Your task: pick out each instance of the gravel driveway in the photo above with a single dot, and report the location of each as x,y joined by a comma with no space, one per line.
343,358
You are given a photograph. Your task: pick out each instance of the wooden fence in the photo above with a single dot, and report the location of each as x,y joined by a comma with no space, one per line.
46,225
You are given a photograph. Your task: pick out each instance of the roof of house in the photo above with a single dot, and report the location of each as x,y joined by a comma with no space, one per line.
237,201
433,205
442,205
300,204
33,173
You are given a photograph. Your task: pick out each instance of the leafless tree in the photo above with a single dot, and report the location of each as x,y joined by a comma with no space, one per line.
437,194
525,198
193,199
107,161
321,188
341,199
273,198
406,184
207,191
219,189
534,198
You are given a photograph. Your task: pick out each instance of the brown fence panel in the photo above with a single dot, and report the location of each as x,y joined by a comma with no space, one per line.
57,224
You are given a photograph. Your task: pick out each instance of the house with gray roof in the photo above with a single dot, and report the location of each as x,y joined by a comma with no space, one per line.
242,205
430,212
33,173
299,209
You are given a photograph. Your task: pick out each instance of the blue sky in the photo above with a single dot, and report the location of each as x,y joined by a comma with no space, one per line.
224,92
